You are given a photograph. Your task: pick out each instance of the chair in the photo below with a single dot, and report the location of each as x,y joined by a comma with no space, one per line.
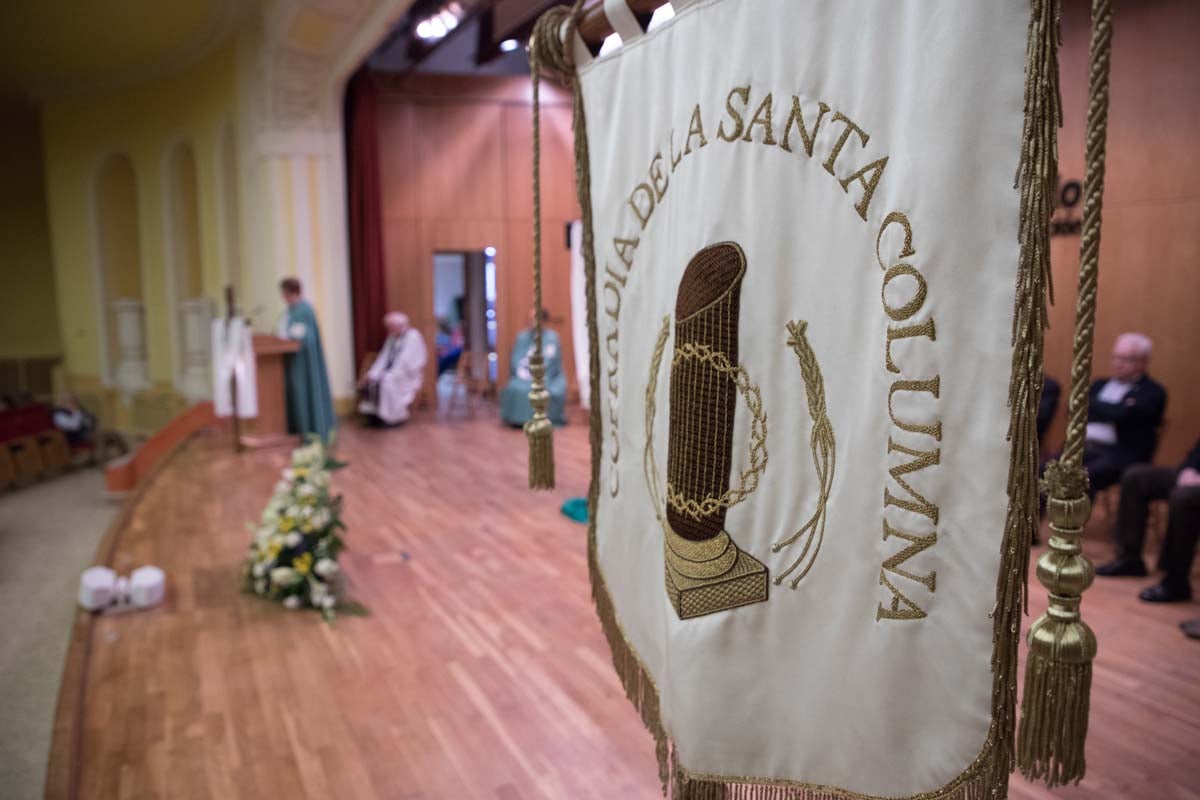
363,368
8,470
56,456
463,383
27,459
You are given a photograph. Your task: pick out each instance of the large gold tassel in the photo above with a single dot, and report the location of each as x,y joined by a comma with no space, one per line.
1058,673
539,430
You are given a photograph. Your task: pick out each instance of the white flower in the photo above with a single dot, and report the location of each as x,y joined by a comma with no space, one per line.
293,511
326,567
321,518
306,490
260,587
284,576
328,601
293,539
317,592
282,487
291,601
259,569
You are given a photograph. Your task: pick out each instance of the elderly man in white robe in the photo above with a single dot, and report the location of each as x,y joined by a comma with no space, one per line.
391,384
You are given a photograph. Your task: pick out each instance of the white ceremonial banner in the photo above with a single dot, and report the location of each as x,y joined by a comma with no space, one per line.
806,253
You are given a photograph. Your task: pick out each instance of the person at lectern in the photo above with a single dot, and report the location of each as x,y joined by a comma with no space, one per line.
309,403
391,384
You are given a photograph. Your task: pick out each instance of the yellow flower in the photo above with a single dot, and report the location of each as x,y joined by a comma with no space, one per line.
286,524
273,550
303,563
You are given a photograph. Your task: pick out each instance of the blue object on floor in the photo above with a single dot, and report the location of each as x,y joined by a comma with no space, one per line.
576,508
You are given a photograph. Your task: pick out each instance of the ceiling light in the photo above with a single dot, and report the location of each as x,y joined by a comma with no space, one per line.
508,45
440,23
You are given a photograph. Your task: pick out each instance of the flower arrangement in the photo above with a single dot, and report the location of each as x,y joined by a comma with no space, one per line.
293,557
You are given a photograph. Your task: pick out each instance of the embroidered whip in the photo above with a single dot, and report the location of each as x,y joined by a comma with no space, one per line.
1058,672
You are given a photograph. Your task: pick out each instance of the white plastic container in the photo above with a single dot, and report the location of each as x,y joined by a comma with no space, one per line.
97,588
147,585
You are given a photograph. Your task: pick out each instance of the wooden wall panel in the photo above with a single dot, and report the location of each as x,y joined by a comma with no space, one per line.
455,164
1150,240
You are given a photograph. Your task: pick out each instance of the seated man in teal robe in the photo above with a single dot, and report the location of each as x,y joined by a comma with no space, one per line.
309,404
514,400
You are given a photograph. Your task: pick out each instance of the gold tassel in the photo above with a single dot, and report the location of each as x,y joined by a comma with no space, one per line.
1058,672
539,430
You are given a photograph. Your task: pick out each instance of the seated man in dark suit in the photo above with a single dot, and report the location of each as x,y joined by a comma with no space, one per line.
1180,486
1124,414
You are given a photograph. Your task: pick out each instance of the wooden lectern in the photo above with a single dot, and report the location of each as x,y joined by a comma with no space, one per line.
269,428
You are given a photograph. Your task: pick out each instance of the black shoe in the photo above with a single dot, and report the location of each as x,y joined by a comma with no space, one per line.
1122,568
1191,628
1161,593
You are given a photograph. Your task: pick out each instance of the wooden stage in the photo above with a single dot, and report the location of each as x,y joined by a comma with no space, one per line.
481,671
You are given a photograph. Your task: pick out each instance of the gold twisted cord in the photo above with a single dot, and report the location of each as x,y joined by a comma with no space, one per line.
546,50
537,207
1089,248
823,447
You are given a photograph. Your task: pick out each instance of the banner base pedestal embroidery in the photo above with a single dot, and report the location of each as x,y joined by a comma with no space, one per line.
744,583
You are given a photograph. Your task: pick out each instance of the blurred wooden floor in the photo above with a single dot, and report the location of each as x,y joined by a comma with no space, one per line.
481,671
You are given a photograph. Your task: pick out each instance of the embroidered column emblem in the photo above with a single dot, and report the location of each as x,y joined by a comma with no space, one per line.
705,570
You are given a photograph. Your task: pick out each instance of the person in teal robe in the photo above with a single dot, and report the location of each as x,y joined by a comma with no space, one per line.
514,400
309,403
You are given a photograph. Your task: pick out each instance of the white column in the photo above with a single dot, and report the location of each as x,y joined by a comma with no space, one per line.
133,369
196,317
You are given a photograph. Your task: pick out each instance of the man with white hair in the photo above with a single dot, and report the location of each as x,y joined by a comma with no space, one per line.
1124,413
395,377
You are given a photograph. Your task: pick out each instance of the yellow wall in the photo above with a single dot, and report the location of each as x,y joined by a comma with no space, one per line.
144,124
28,312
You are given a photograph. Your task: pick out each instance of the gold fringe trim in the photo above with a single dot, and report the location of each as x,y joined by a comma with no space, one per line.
987,777
1036,178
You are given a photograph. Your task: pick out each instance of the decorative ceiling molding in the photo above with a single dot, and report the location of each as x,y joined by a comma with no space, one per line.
309,49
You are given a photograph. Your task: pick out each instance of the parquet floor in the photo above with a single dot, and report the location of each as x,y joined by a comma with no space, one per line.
481,671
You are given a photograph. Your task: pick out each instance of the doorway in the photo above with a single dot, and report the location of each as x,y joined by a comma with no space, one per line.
464,305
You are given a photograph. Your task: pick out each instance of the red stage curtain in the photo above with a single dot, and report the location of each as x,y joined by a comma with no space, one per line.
366,214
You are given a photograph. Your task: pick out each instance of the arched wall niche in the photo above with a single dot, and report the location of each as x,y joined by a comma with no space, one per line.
192,309
122,303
